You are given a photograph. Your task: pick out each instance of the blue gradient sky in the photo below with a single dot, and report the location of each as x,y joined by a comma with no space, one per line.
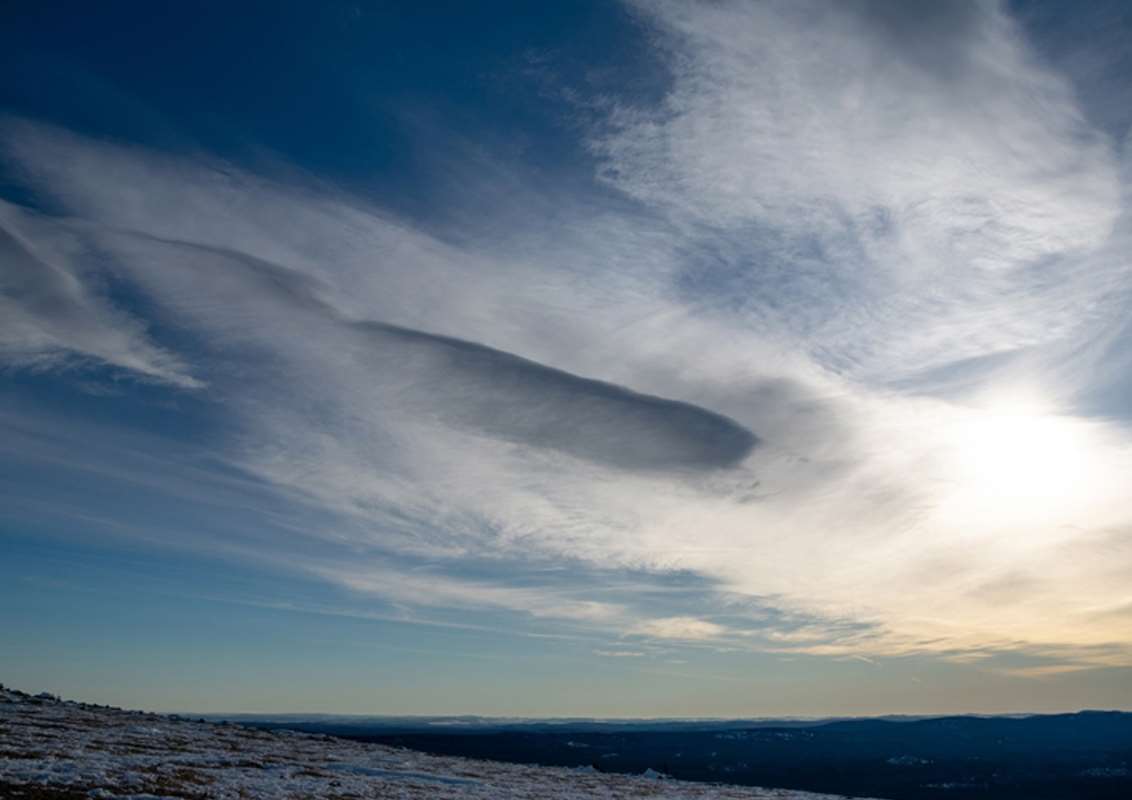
588,359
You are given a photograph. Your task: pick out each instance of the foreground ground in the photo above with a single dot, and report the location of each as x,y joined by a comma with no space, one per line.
54,750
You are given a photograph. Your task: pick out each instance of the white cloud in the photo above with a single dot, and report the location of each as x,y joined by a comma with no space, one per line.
938,200
51,317
440,590
822,220
679,628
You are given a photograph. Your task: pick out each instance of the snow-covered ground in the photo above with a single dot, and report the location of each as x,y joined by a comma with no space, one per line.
54,750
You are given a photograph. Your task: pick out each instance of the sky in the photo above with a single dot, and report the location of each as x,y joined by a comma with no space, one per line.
642,359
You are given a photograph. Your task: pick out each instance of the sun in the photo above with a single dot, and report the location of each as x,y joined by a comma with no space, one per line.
1016,461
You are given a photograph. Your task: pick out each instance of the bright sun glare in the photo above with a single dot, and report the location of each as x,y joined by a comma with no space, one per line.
1014,461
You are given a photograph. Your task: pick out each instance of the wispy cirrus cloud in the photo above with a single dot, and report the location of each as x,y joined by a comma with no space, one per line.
53,318
679,628
774,362
917,192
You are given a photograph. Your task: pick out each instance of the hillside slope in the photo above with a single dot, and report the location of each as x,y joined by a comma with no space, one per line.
56,750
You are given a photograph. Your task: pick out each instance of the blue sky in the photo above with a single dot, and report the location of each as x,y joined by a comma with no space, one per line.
598,359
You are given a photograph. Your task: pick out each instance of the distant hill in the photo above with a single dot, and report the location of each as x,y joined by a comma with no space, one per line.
1082,755
56,750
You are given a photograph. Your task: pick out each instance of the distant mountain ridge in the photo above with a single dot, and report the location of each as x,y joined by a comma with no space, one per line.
472,722
1085,754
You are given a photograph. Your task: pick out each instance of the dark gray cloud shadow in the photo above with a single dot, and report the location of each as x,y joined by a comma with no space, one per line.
937,37
475,387
516,399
